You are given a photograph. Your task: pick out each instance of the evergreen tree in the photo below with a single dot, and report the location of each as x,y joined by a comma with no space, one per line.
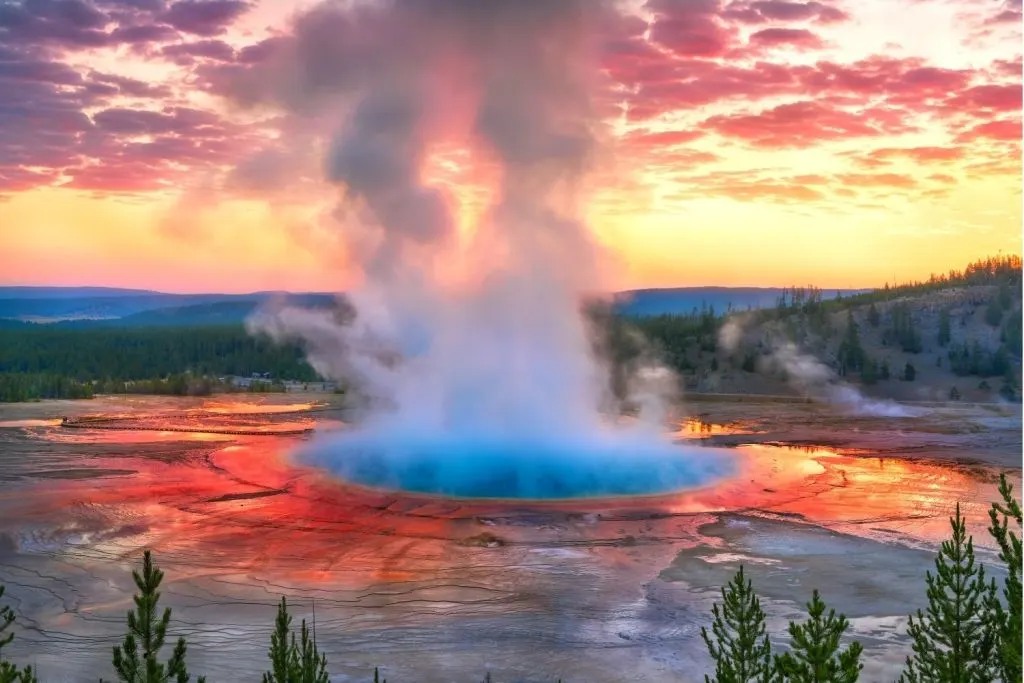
739,645
815,656
999,362
279,650
1006,615
9,673
148,632
994,312
954,640
291,661
869,375
883,371
1010,334
945,333
874,319
1010,388
312,665
851,355
1005,297
902,329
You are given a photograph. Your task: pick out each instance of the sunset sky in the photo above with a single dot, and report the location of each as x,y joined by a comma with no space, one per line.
841,143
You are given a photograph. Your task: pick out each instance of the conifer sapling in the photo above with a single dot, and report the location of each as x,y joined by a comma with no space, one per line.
9,673
1006,615
135,661
954,640
815,655
739,646
291,661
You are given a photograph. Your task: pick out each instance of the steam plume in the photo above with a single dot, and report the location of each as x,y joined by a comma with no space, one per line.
811,377
489,386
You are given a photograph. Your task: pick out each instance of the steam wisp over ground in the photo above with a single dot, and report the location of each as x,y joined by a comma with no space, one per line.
477,366
811,377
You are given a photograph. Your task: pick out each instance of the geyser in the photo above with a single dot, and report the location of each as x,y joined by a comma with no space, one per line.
479,370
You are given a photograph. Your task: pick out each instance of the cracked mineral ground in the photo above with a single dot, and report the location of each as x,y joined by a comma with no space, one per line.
435,589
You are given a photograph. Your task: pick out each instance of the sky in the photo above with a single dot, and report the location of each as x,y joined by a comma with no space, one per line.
839,143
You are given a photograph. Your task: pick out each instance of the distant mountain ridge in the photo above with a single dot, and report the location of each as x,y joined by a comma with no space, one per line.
31,292
55,305
683,300
107,306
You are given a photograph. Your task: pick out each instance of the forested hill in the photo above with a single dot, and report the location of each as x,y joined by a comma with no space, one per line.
46,362
955,335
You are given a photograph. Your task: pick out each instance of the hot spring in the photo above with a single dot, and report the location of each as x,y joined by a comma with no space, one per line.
488,465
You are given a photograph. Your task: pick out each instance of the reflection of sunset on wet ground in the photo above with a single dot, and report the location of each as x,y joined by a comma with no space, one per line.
224,493
18,424
695,427
249,408
236,518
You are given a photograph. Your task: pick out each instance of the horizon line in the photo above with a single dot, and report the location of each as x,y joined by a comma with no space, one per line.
142,290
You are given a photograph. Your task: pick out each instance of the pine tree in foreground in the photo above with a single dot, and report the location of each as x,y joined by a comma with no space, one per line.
9,673
136,660
954,640
1006,615
291,661
740,648
815,656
